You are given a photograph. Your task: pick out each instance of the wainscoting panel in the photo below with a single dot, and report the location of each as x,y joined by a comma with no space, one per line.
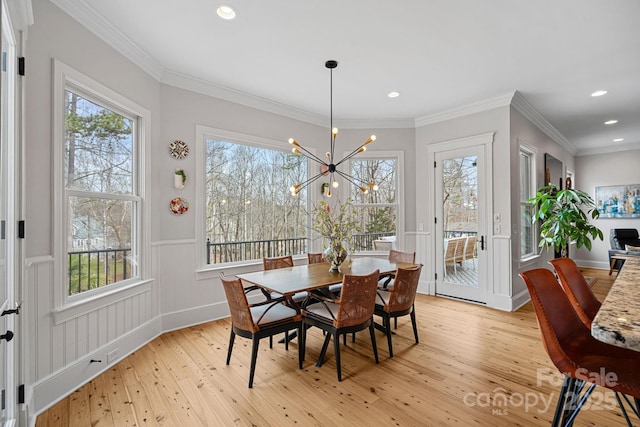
57,346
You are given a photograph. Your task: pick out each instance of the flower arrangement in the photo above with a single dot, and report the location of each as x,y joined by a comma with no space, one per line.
336,225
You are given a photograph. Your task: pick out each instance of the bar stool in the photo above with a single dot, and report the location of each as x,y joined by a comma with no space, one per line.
578,355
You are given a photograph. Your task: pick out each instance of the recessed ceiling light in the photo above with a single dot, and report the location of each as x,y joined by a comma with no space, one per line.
610,122
618,140
393,94
599,93
226,12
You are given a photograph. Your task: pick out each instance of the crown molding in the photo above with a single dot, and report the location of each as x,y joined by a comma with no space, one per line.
21,13
465,110
204,87
609,149
87,16
526,109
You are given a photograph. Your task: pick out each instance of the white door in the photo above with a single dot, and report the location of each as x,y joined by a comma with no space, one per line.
460,206
8,246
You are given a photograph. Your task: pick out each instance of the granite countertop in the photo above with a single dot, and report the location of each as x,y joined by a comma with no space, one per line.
618,320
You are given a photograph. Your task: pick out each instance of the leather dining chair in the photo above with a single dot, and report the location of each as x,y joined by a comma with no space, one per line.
351,313
577,289
398,300
576,353
256,321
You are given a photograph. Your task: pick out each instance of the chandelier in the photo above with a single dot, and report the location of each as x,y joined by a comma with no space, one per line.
330,165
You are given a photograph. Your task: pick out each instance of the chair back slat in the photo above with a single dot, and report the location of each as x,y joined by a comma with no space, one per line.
399,256
357,299
470,247
403,292
238,304
277,262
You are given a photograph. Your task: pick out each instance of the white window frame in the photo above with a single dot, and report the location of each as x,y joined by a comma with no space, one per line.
69,306
204,132
531,153
398,156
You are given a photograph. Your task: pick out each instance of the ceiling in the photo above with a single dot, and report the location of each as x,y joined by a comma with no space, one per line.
441,55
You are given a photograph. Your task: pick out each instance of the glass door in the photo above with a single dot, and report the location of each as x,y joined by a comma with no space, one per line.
460,218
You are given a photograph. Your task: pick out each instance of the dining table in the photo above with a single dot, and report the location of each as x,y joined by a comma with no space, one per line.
310,277
618,319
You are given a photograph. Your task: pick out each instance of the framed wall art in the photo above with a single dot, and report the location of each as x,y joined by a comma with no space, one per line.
618,201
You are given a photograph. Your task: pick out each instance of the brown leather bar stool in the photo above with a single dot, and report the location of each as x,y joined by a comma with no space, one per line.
578,355
577,289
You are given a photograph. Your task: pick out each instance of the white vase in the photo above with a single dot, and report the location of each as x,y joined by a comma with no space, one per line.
177,181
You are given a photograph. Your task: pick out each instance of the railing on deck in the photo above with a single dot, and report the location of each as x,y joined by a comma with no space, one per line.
95,268
364,242
255,249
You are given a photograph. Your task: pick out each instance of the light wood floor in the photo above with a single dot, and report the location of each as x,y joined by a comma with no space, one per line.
473,366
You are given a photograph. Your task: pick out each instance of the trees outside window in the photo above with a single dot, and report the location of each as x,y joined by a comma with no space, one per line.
100,192
378,211
250,212
527,191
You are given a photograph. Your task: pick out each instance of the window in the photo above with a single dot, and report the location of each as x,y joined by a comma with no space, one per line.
98,174
528,242
249,210
379,211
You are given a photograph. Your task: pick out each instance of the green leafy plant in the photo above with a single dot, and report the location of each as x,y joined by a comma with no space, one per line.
564,218
182,174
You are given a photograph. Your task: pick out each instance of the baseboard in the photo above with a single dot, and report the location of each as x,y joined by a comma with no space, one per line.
589,263
48,391
194,316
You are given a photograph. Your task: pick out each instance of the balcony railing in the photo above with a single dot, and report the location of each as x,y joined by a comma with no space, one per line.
95,268
218,253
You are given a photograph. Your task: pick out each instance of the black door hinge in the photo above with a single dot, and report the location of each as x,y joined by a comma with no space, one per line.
2,230
435,220
436,276
21,393
21,65
434,163
21,229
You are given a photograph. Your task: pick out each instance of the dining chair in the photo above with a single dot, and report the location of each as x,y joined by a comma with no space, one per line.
396,256
315,258
576,353
274,263
257,321
397,301
352,312
577,289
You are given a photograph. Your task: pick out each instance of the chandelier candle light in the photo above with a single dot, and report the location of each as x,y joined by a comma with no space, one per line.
330,166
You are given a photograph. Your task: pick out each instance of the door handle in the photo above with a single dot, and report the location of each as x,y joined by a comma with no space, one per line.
7,336
482,243
11,311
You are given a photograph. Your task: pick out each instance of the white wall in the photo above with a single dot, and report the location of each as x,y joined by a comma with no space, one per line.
617,168
60,345
496,120
526,132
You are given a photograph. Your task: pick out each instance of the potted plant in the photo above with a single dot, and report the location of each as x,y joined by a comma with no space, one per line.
336,225
564,218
